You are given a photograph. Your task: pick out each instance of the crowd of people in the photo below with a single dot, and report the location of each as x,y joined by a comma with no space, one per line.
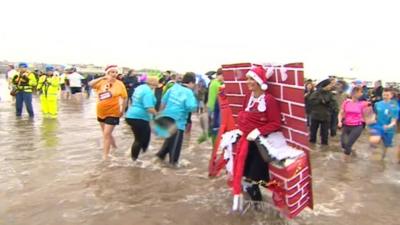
137,97
170,99
331,104
334,104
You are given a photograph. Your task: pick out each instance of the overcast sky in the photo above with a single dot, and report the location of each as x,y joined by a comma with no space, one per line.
351,37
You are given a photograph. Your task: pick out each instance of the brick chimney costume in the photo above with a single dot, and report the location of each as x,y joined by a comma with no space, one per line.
254,142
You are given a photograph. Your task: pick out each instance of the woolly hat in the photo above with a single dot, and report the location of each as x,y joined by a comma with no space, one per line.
50,68
23,65
323,83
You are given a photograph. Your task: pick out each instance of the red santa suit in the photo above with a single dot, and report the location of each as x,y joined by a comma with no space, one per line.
259,115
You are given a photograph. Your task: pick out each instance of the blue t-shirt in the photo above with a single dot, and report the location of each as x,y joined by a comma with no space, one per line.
142,99
179,101
398,105
385,113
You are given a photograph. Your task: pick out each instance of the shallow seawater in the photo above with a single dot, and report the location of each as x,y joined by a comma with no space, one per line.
51,172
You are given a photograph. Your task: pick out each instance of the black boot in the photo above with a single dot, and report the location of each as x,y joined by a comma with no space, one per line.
254,192
255,195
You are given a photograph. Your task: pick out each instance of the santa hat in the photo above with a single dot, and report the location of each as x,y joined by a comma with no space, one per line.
259,74
111,67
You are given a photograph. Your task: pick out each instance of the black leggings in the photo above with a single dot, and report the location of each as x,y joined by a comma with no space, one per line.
141,131
172,146
350,134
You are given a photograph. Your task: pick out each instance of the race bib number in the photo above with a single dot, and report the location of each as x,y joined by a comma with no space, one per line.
105,95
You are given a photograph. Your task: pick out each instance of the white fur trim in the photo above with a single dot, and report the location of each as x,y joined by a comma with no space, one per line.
237,203
284,75
270,72
227,141
264,87
253,134
256,78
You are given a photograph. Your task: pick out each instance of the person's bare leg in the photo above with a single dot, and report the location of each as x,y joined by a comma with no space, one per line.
68,94
384,151
107,135
113,143
102,129
78,97
398,153
112,137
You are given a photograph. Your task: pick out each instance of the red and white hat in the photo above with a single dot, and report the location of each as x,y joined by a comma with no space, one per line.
259,74
111,67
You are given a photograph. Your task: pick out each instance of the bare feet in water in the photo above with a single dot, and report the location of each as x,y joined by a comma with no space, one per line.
383,154
346,158
106,157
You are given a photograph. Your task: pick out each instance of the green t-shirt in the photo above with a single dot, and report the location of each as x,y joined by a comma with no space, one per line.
213,94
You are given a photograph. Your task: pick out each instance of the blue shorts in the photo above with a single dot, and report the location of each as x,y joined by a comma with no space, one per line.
387,137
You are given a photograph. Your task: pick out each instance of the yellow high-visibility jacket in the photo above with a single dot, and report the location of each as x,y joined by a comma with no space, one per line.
49,85
24,82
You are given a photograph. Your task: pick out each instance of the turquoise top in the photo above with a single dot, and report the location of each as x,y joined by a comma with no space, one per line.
179,101
142,99
385,113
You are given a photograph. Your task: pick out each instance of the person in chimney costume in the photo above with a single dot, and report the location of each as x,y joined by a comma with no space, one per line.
259,117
